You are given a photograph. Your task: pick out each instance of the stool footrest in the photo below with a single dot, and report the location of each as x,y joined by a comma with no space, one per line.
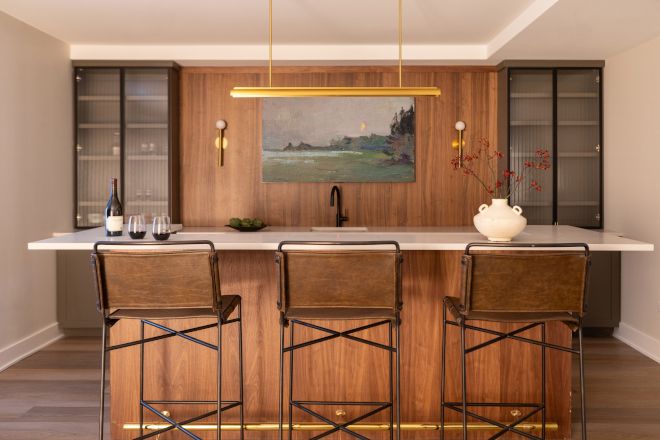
502,404
339,402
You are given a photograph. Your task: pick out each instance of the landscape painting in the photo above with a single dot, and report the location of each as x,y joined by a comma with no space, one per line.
338,140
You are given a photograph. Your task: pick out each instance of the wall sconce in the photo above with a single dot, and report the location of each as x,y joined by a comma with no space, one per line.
458,144
220,140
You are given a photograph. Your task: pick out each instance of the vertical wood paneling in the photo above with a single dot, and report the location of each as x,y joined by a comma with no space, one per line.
438,197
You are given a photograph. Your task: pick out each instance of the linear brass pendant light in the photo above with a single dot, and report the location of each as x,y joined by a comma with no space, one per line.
308,92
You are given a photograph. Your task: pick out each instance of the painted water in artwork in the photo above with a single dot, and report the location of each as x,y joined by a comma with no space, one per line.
338,140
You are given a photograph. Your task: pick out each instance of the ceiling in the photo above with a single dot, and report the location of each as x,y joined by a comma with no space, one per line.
342,31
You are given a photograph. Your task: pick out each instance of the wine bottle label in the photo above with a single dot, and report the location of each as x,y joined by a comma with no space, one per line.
114,223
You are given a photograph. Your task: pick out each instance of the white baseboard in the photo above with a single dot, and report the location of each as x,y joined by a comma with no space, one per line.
28,345
640,341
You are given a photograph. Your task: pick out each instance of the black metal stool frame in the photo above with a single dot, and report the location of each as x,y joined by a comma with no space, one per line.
462,406
184,334
347,334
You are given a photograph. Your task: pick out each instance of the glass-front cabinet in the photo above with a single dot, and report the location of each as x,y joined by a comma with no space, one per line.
557,109
126,127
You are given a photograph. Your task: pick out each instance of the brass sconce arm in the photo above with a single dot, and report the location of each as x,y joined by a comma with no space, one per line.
459,143
220,140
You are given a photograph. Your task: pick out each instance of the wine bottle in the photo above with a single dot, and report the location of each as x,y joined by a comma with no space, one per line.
114,213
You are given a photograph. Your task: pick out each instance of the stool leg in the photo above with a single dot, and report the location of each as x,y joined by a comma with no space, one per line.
543,382
582,397
391,382
292,325
442,373
103,359
240,366
219,374
398,379
280,415
141,377
463,383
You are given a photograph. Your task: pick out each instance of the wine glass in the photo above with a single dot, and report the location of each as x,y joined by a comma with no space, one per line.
137,227
161,227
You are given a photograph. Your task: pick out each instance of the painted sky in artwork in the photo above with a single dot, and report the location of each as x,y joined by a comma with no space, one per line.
296,120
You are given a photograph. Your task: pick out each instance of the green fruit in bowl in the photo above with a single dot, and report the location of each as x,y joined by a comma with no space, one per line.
235,222
257,223
246,223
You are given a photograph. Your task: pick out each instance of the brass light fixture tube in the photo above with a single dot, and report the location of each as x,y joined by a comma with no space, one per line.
265,426
309,92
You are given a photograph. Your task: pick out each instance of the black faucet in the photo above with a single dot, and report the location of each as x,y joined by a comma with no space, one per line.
340,218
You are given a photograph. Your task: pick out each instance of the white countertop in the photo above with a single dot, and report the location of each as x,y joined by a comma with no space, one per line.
409,238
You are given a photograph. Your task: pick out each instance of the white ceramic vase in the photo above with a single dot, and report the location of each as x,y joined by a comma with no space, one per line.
499,221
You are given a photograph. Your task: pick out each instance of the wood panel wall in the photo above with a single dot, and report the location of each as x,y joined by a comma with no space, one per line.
439,196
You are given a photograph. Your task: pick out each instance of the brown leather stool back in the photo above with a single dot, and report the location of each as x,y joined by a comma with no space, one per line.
526,281
156,279
340,282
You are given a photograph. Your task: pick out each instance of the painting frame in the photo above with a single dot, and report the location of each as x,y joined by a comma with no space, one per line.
338,140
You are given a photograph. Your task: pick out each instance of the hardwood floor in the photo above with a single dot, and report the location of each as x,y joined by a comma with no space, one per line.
53,394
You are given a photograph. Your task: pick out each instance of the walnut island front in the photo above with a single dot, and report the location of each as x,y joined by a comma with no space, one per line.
341,370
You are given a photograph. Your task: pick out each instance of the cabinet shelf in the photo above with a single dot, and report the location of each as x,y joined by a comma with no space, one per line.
146,125
570,95
576,203
560,155
531,123
577,123
161,98
99,98
147,202
531,95
110,125
94,158
148,157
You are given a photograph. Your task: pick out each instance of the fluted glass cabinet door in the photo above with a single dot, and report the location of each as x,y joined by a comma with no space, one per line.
531,128
578,147
98,141
147,142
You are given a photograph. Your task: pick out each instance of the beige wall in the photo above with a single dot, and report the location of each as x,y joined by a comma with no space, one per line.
632,183
36,179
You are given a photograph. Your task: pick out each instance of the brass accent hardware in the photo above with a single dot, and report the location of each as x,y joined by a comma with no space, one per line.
459,143
220,140
310,92
166,413
307,92
516,412
418,426
340,413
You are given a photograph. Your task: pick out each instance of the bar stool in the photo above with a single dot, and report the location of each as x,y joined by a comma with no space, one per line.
531,287
152,285
342,281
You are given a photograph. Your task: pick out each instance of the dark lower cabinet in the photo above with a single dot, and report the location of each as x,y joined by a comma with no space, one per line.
76,294
604,295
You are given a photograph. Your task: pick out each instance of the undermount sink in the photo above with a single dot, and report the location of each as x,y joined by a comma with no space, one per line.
335,229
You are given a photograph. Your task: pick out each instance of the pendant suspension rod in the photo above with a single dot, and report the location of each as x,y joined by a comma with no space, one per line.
400,42
270,43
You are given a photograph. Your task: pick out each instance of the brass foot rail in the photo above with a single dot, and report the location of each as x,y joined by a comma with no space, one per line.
268,426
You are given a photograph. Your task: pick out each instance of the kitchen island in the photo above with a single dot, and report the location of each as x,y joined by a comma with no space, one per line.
508,371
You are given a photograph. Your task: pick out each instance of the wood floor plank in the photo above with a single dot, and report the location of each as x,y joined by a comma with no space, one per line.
49,396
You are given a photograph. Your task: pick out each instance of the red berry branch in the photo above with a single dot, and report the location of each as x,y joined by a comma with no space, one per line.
495,184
